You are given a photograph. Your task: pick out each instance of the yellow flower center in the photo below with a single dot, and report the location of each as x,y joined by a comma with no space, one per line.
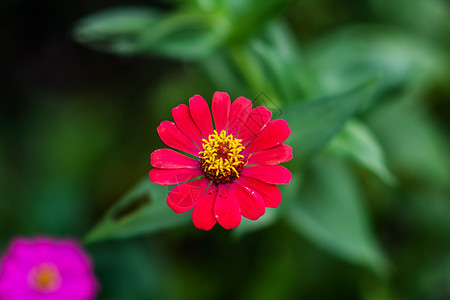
44,278
221,159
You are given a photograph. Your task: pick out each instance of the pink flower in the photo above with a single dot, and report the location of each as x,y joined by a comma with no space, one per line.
44,269
236,165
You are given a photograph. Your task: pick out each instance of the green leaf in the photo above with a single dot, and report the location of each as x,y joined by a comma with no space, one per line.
328,210
357,142
248,226
250,16
314,123
220,69
117,30
404,60
142,210
280,55
399,13
190,36
416,148
142,30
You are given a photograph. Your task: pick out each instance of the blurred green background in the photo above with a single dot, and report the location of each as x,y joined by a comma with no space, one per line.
86,83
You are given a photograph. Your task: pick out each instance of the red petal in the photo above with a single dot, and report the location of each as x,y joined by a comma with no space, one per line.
185,196
226,208
269,174
203,213
182,117
173,137
240,109
250,202
173,176
201,115
269,192
221,109
275,132
170,159
272,156
256,121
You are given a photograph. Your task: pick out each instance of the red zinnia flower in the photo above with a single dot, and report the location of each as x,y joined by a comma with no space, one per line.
236,164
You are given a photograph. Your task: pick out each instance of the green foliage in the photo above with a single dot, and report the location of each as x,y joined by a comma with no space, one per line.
359,144
329,209
142,210
186,34
314,123
248,17
282,61
416,148
117,30
404,61
130,30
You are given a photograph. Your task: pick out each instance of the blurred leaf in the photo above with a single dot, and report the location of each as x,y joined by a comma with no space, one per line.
269,62
280,72
358,51
143,30
434,18
116,30
250,16
281,57
220,70
183,36
328,210
251,70
248,226
416,149
314,123
357,142
142,210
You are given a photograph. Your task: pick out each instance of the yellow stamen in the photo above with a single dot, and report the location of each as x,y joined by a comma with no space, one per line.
45,278
221,158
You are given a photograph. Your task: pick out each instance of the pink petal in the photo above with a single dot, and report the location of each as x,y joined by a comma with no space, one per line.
275,132
173,176
23,252
270,174
269,192
12,273
182,117
201,115
185,196
226,208
256,121
70,259
272,156
173,137
16,291
203,213
221,109
170,159
250,202
240,109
